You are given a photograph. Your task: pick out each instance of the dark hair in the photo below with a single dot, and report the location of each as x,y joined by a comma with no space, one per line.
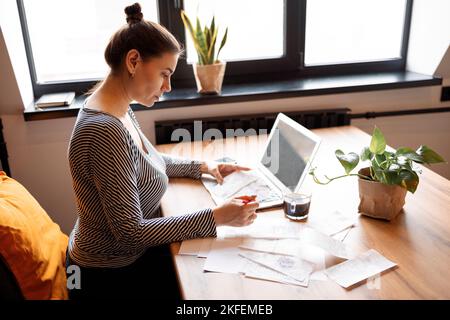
149,38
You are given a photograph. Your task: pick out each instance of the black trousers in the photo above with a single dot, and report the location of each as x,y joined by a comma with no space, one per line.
152,276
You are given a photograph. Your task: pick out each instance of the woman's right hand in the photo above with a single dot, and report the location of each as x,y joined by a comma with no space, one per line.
236,212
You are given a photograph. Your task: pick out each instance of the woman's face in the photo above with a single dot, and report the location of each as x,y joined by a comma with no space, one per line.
152,78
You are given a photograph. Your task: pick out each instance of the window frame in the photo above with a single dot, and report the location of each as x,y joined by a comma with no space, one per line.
290,66
243,71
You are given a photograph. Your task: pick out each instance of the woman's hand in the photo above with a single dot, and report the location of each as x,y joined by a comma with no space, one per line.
220,170
236,212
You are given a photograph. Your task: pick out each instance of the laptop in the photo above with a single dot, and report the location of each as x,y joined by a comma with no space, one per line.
283,165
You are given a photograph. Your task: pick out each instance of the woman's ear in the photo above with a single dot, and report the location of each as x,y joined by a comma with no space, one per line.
131,60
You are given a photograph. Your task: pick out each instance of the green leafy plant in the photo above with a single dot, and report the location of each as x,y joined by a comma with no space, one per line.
205,39
391,168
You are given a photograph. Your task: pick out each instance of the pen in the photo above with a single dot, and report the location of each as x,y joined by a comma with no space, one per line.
247,199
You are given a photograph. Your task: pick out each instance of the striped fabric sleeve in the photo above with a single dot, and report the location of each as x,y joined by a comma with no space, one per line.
115,176
182,167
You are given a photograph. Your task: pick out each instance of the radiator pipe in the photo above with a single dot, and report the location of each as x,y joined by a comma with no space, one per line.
370,115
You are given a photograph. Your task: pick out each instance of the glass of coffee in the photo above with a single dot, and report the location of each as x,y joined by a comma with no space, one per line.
296,204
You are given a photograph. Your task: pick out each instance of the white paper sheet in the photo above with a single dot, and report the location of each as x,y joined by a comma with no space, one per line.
327,243
259,188
205,247
196,247
364,266
258,271
190,247
231,184
224,257
290,247
316,256
264,228
293,267
227,232
341,236
335,223
281,229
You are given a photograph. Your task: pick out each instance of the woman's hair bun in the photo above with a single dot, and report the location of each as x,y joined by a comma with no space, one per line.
134,13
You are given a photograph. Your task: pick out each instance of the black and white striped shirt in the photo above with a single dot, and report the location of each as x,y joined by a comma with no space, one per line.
118,189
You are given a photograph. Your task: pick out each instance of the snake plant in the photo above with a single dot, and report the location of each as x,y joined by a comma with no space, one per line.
204,39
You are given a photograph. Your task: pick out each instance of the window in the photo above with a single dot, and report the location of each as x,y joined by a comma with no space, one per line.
255,36
69,47
262,37
350,31
267,39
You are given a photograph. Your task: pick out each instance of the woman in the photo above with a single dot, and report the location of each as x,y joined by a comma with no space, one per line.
120,241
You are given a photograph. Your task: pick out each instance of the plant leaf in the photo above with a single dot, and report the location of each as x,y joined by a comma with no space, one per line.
207,33
378,143
377,170
380,158
409,154
390,177
212,47
224,40
201,42
212,27
378,175
394,167
188,25
429,155
366,154
408,180
348,161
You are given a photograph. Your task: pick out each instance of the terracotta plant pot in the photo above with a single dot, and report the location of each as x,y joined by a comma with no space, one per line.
209,78
379,200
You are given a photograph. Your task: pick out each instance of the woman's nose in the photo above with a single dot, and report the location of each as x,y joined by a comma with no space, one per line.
167,87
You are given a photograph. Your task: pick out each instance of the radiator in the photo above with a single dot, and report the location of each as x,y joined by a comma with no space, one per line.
310,119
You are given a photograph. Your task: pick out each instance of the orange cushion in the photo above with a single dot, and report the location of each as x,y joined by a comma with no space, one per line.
32,245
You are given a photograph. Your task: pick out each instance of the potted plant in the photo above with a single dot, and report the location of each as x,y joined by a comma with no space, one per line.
384,183
209,71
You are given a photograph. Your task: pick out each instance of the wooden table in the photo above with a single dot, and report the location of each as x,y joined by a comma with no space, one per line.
418,240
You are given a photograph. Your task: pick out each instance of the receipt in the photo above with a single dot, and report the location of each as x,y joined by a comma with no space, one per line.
362,267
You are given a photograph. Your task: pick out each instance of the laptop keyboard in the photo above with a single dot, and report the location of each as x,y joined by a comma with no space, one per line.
258,187
262,191
272,196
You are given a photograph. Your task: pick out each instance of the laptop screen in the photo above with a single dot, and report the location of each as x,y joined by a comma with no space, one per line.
288,153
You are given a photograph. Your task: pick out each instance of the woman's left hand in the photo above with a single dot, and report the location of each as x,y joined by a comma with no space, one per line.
220,170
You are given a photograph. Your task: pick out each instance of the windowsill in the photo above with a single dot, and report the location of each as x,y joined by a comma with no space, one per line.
263,91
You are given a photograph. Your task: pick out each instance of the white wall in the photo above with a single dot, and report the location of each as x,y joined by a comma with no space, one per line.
38,149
